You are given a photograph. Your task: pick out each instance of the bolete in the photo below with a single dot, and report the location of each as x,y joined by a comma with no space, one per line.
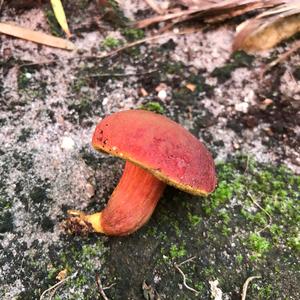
158,152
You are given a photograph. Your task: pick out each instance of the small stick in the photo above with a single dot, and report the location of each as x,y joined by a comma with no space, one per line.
259,206
138,42
247,164
43,62
122,74
101,288
114,52
56,286
184,276
281,58
188,260
245,286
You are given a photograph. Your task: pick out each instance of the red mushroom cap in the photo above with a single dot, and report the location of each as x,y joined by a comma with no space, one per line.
159,145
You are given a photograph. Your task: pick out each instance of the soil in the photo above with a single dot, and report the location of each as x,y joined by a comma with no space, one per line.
52,99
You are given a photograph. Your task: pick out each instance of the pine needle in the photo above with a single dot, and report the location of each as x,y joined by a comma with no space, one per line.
60,16
35,36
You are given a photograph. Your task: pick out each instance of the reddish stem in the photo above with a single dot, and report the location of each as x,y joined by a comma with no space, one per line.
132,202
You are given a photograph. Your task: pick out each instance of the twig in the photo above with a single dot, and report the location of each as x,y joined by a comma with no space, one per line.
188,260
245,286
114,52
280,58
108,287
43,62
184,276
138,42
56,286
247,164
122,74
260,207
101,288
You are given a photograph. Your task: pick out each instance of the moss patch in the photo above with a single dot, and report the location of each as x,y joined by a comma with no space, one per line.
228,244
238,59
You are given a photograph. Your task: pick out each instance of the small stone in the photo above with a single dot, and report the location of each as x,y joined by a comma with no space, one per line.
162,95
67,143
90,190
84,89
250,121
105,101
265,103
242,107
236,146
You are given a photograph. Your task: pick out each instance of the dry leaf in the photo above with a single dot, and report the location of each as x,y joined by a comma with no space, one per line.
269,28
211,11
60,16
191,87
62,275
36,36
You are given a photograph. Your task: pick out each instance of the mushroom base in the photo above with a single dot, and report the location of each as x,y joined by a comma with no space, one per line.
129,207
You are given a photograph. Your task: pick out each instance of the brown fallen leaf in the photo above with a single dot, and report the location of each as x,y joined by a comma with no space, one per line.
269,28
210,11
62,274
35,36
191,87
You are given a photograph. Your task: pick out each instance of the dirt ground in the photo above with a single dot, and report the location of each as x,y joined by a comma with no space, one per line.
50,102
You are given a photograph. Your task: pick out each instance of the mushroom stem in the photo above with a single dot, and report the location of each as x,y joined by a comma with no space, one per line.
129,207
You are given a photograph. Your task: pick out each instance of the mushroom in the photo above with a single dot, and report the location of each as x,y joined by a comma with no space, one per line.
158,152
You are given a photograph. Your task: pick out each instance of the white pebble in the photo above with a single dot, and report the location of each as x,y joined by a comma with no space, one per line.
67,143
162,95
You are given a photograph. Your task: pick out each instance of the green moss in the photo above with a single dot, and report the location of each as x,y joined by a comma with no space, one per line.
236,233
153,106
200,287
82,261
133,34
111,43
229,183
177,251
265,292
258,244
238,59
294,242
239,258
194,219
